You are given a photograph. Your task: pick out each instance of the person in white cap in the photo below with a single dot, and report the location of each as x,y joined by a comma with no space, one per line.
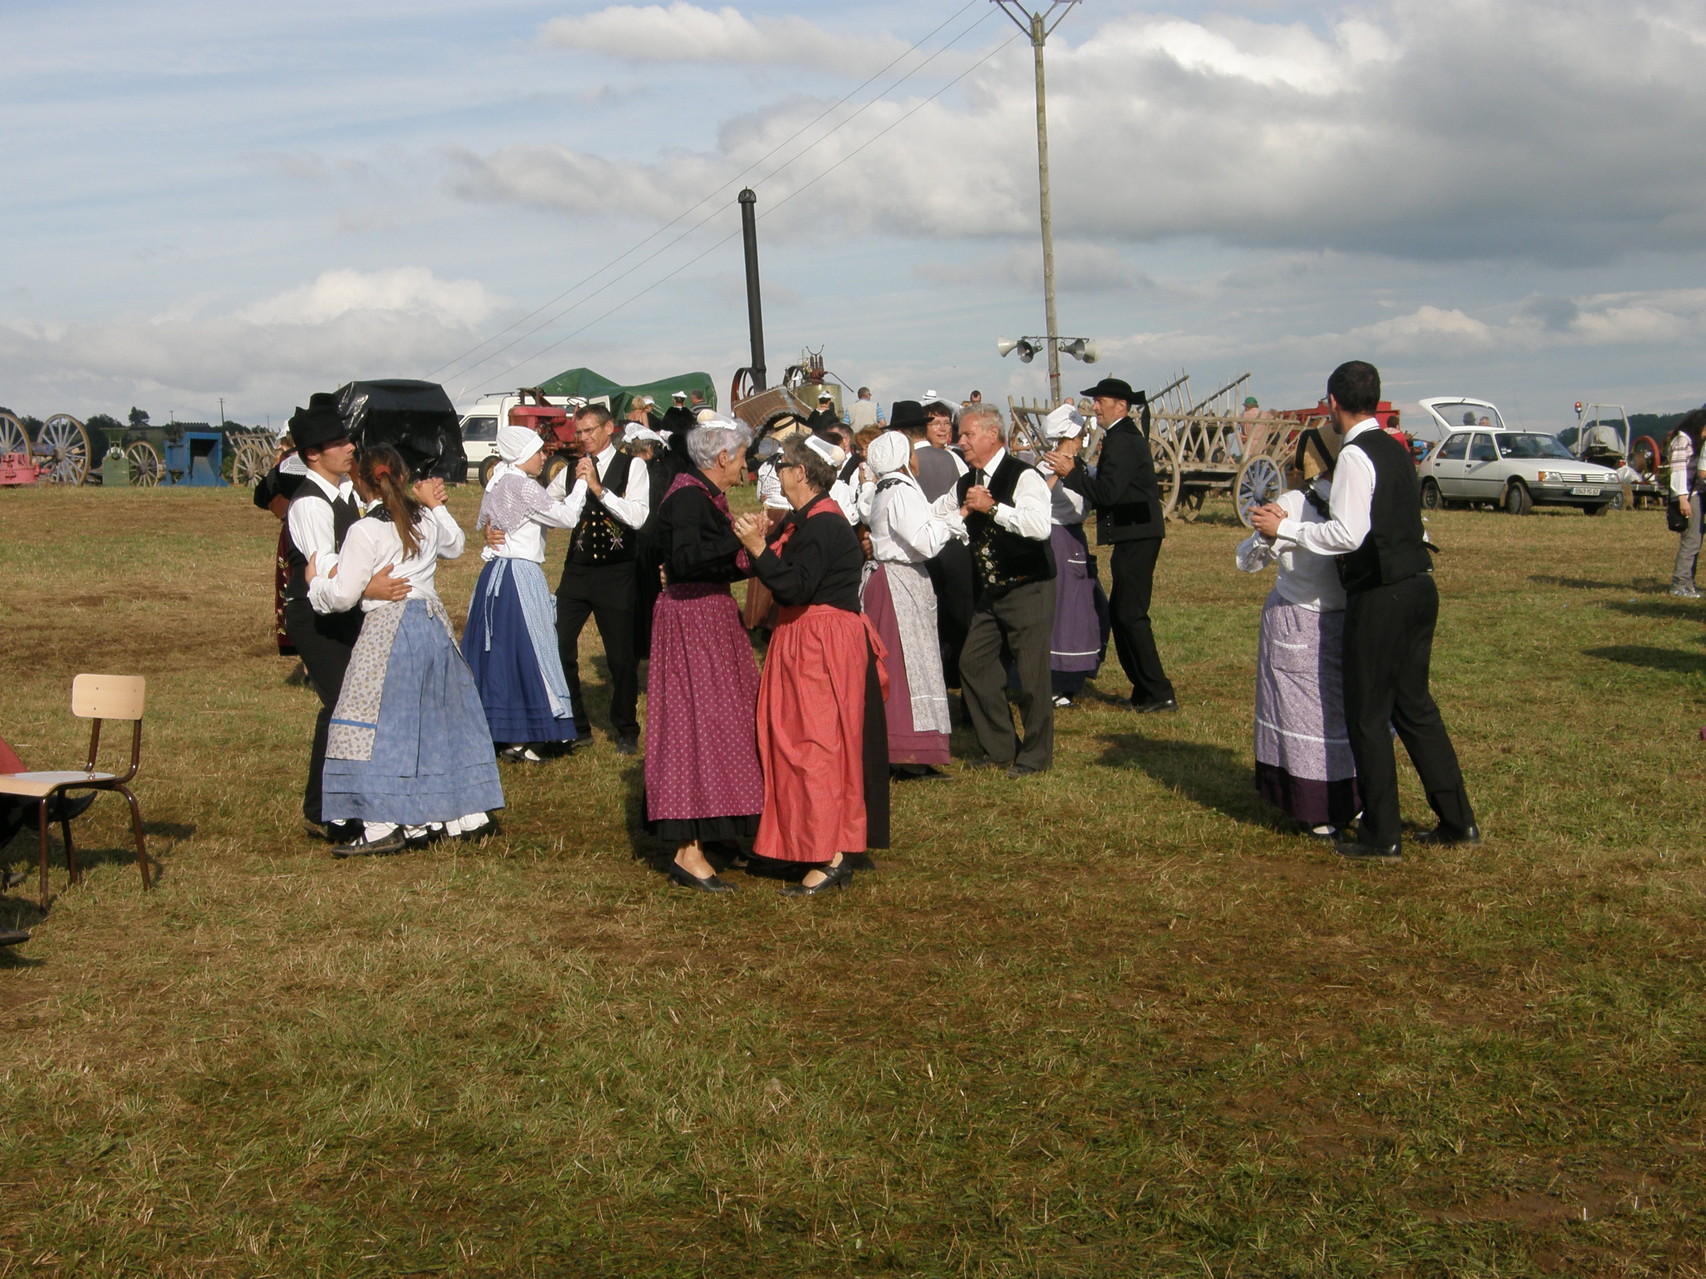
1080,636
901,604
824,416
510,641
678,417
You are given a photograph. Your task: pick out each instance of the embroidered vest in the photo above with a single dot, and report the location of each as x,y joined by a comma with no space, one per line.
1004,559
601,538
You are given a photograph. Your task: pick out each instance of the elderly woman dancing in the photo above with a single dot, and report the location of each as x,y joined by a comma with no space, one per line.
898,598
822,735
1303,750
703,780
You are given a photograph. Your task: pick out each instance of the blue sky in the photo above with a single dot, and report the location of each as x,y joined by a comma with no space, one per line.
209,200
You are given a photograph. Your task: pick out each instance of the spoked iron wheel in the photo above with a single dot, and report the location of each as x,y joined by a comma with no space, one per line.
1168,476
12,436
62,445
146,469
1260,481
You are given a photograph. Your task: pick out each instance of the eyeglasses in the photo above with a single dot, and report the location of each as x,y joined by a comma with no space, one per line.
782,466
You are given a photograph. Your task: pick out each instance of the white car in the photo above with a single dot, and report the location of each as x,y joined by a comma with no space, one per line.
480,440
1479,459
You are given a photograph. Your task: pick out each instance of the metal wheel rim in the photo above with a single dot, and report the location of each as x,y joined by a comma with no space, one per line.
145,465
65,444
250,464
1260,481
13,439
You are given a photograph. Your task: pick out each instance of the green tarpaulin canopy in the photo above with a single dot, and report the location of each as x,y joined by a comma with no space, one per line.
592,385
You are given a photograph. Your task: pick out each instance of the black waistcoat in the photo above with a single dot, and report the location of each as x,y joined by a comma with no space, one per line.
601,538
344,516
1394,549
1004,559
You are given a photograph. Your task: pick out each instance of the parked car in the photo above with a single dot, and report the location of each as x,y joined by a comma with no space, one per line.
1517,470
480,439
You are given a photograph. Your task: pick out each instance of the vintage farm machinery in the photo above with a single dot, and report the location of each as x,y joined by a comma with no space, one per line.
60,453
782,410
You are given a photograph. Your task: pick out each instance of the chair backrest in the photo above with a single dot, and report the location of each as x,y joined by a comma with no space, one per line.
108,696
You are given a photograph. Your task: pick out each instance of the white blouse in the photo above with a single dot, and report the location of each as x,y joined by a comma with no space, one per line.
1307,579
904,530
371,544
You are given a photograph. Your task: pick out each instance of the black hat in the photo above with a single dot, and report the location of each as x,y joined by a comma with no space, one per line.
319,424
1116,389
907,415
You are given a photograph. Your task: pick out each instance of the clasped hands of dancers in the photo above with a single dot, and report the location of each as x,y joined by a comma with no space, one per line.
798,759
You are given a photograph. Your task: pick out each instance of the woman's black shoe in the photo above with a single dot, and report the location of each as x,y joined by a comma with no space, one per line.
687,879
836,876
395,842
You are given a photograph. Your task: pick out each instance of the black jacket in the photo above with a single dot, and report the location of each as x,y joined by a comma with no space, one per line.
1124,489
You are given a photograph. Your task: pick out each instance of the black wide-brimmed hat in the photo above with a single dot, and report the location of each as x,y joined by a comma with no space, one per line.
319,424
907,415
1115,389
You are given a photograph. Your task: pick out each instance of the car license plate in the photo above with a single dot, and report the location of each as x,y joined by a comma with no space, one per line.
1585,490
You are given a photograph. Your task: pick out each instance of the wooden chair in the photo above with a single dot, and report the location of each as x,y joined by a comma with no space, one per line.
98,698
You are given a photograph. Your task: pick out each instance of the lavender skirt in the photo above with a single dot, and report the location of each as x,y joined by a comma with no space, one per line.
1303,751
1080,609
703,779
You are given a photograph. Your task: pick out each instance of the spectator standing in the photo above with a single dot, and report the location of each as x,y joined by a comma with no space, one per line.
1687,484
862,412
823,417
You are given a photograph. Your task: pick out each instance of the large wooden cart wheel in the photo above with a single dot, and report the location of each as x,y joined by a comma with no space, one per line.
1168,475
1644,457
1190,504
62,445
146,468
12,436
1260,480
250,464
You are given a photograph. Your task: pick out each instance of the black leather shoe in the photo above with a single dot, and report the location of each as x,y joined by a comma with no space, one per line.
395,842
1016,771
1358,851
13,937
1158,706
627,746
1443,836
836,876
687,879
917,773
428,837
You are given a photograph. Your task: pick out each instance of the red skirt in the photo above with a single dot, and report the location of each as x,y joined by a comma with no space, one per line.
819,708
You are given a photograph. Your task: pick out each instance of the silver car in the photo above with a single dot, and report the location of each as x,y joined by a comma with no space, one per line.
1483,461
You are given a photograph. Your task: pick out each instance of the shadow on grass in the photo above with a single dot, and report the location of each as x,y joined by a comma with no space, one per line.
1666,610
1670,660
1646,585
1214,776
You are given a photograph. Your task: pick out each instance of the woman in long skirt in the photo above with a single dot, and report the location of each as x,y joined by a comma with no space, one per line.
704,784
1080,637
822,735
511,637
1303,751
407,754
901,603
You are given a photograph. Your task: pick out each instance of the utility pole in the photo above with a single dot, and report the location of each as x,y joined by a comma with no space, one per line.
1039,25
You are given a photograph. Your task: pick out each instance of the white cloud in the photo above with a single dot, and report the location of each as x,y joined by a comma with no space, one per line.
405,291
683,32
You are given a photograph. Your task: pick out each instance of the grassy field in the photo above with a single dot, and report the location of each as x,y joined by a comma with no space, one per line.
1109,1021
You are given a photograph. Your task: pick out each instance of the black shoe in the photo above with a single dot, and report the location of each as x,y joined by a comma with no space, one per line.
63,809
485,830
521,753
627,746
1358,851
332,832
395,842
1017,771
428,837
917,773
1443,836
836,876
687,879
13,936
1159,705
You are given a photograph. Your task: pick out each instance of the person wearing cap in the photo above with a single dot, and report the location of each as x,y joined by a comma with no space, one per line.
510,641
847,487
822,735
1004,505
1080,636
320,515
939,468
1375,528
823,417
898,598
678,418
1130,518
862,412
609,501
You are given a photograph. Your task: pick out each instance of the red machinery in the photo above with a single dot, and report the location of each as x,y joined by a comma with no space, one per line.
553,422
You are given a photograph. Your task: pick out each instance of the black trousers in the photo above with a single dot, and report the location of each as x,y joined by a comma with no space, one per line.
607,594
1132,566
1022,618
954,579
1389,636
324,642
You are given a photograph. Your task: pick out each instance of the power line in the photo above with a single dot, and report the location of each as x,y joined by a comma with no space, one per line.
833,107
784,200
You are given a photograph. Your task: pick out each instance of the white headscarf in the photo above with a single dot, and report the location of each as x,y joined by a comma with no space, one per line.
890,451
830,453
516,444
1063,424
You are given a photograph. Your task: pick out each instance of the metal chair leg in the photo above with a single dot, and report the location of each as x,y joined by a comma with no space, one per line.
136,828
73,870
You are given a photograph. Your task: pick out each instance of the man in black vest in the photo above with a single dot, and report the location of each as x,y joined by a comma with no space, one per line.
1129,516
321,512
1005,506
1390,610
612,497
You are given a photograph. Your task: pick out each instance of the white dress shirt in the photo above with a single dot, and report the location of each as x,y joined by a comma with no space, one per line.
631,506
769,486
1306,579
310,522
1028,516
371,545
1351,502
904,528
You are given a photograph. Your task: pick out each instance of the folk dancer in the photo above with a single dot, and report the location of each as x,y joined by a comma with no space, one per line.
1080,637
